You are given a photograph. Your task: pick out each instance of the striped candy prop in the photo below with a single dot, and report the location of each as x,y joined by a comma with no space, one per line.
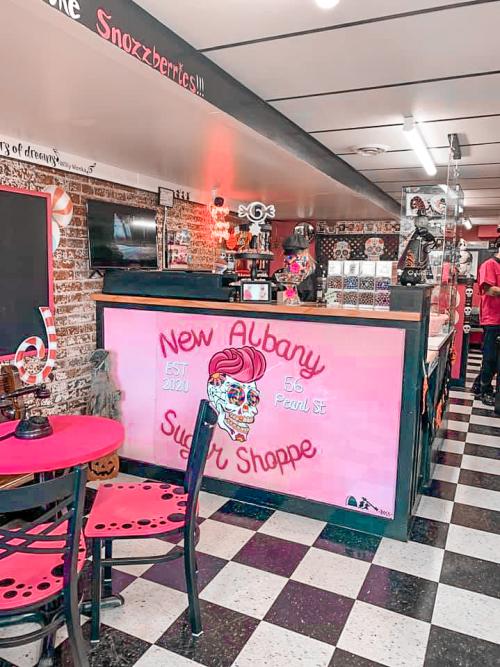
33,341
62,206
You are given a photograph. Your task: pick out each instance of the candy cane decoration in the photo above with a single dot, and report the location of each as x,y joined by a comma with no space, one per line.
38,344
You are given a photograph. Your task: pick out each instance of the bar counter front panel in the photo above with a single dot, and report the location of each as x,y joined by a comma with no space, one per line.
309,404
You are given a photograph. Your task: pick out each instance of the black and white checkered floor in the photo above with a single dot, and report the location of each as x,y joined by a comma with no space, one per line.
279,590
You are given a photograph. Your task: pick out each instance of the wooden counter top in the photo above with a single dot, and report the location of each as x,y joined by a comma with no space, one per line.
271,308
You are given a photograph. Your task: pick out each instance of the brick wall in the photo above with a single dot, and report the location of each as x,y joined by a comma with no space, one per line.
74,309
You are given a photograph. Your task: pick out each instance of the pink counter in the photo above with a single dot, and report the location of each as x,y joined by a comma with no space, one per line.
308,408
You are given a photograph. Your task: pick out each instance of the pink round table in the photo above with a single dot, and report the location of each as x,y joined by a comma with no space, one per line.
76,439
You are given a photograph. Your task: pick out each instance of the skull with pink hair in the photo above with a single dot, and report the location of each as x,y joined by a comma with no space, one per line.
232,388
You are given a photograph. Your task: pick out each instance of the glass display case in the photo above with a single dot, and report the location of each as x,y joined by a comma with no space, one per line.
435,210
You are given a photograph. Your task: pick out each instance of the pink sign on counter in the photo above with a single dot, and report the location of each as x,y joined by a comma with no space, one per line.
305,408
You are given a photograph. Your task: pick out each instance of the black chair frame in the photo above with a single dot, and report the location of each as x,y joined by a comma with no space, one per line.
101,567
62,500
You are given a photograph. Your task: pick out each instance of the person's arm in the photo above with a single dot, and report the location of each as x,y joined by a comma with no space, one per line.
488,279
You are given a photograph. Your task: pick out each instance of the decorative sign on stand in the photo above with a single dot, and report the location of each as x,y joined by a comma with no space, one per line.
300,412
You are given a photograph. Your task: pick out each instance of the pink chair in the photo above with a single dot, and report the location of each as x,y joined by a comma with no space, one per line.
40,562
151,509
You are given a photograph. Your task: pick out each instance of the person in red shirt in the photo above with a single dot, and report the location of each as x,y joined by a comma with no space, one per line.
489,318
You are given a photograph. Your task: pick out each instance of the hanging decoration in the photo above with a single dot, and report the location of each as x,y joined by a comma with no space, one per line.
62,212
219,214
26,375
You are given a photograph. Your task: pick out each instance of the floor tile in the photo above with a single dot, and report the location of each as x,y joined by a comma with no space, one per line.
427,531
139,548
445,458
172,574
343,658
452,649
479,405
293,527
461,406
446,473
116,649
481,464
471,495
160,657
399,592
420,560
442,490
467,612
272,646
472,542
485,430
458,415
210,503
484,440
384,636
149,608
486,421
271,554
434,508
485,451
244,589
453,446
461,393
332,572
242,514
221,539
225,634
483,480
450,434
21,656
348,542
483,411
454,425
476,517
310,611
472,574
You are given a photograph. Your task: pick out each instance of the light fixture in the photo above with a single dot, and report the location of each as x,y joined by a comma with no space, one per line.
418,144
467,224
327,4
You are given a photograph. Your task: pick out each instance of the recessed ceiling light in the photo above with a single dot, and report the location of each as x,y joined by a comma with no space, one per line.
371,150
327,4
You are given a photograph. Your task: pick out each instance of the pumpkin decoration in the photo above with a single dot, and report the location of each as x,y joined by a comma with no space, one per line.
104,468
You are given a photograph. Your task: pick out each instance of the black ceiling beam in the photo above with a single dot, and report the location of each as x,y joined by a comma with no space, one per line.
226,93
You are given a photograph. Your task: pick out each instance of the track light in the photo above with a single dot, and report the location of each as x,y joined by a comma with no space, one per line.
416,141
467,224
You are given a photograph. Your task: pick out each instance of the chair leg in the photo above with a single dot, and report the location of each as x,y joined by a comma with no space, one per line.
96,591
79,648
108,570
47,654
191,572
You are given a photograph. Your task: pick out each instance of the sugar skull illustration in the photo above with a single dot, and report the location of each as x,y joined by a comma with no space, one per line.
374,248
232,389
341,250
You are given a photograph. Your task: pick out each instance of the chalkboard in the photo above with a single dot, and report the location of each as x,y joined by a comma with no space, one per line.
25,266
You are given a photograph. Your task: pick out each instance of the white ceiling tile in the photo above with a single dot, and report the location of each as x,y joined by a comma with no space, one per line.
410,49
470,131
445,99
215,22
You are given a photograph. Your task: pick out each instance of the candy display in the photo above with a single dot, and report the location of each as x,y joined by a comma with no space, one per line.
359,284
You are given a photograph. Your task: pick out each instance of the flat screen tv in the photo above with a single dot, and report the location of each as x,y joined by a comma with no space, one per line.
121,236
